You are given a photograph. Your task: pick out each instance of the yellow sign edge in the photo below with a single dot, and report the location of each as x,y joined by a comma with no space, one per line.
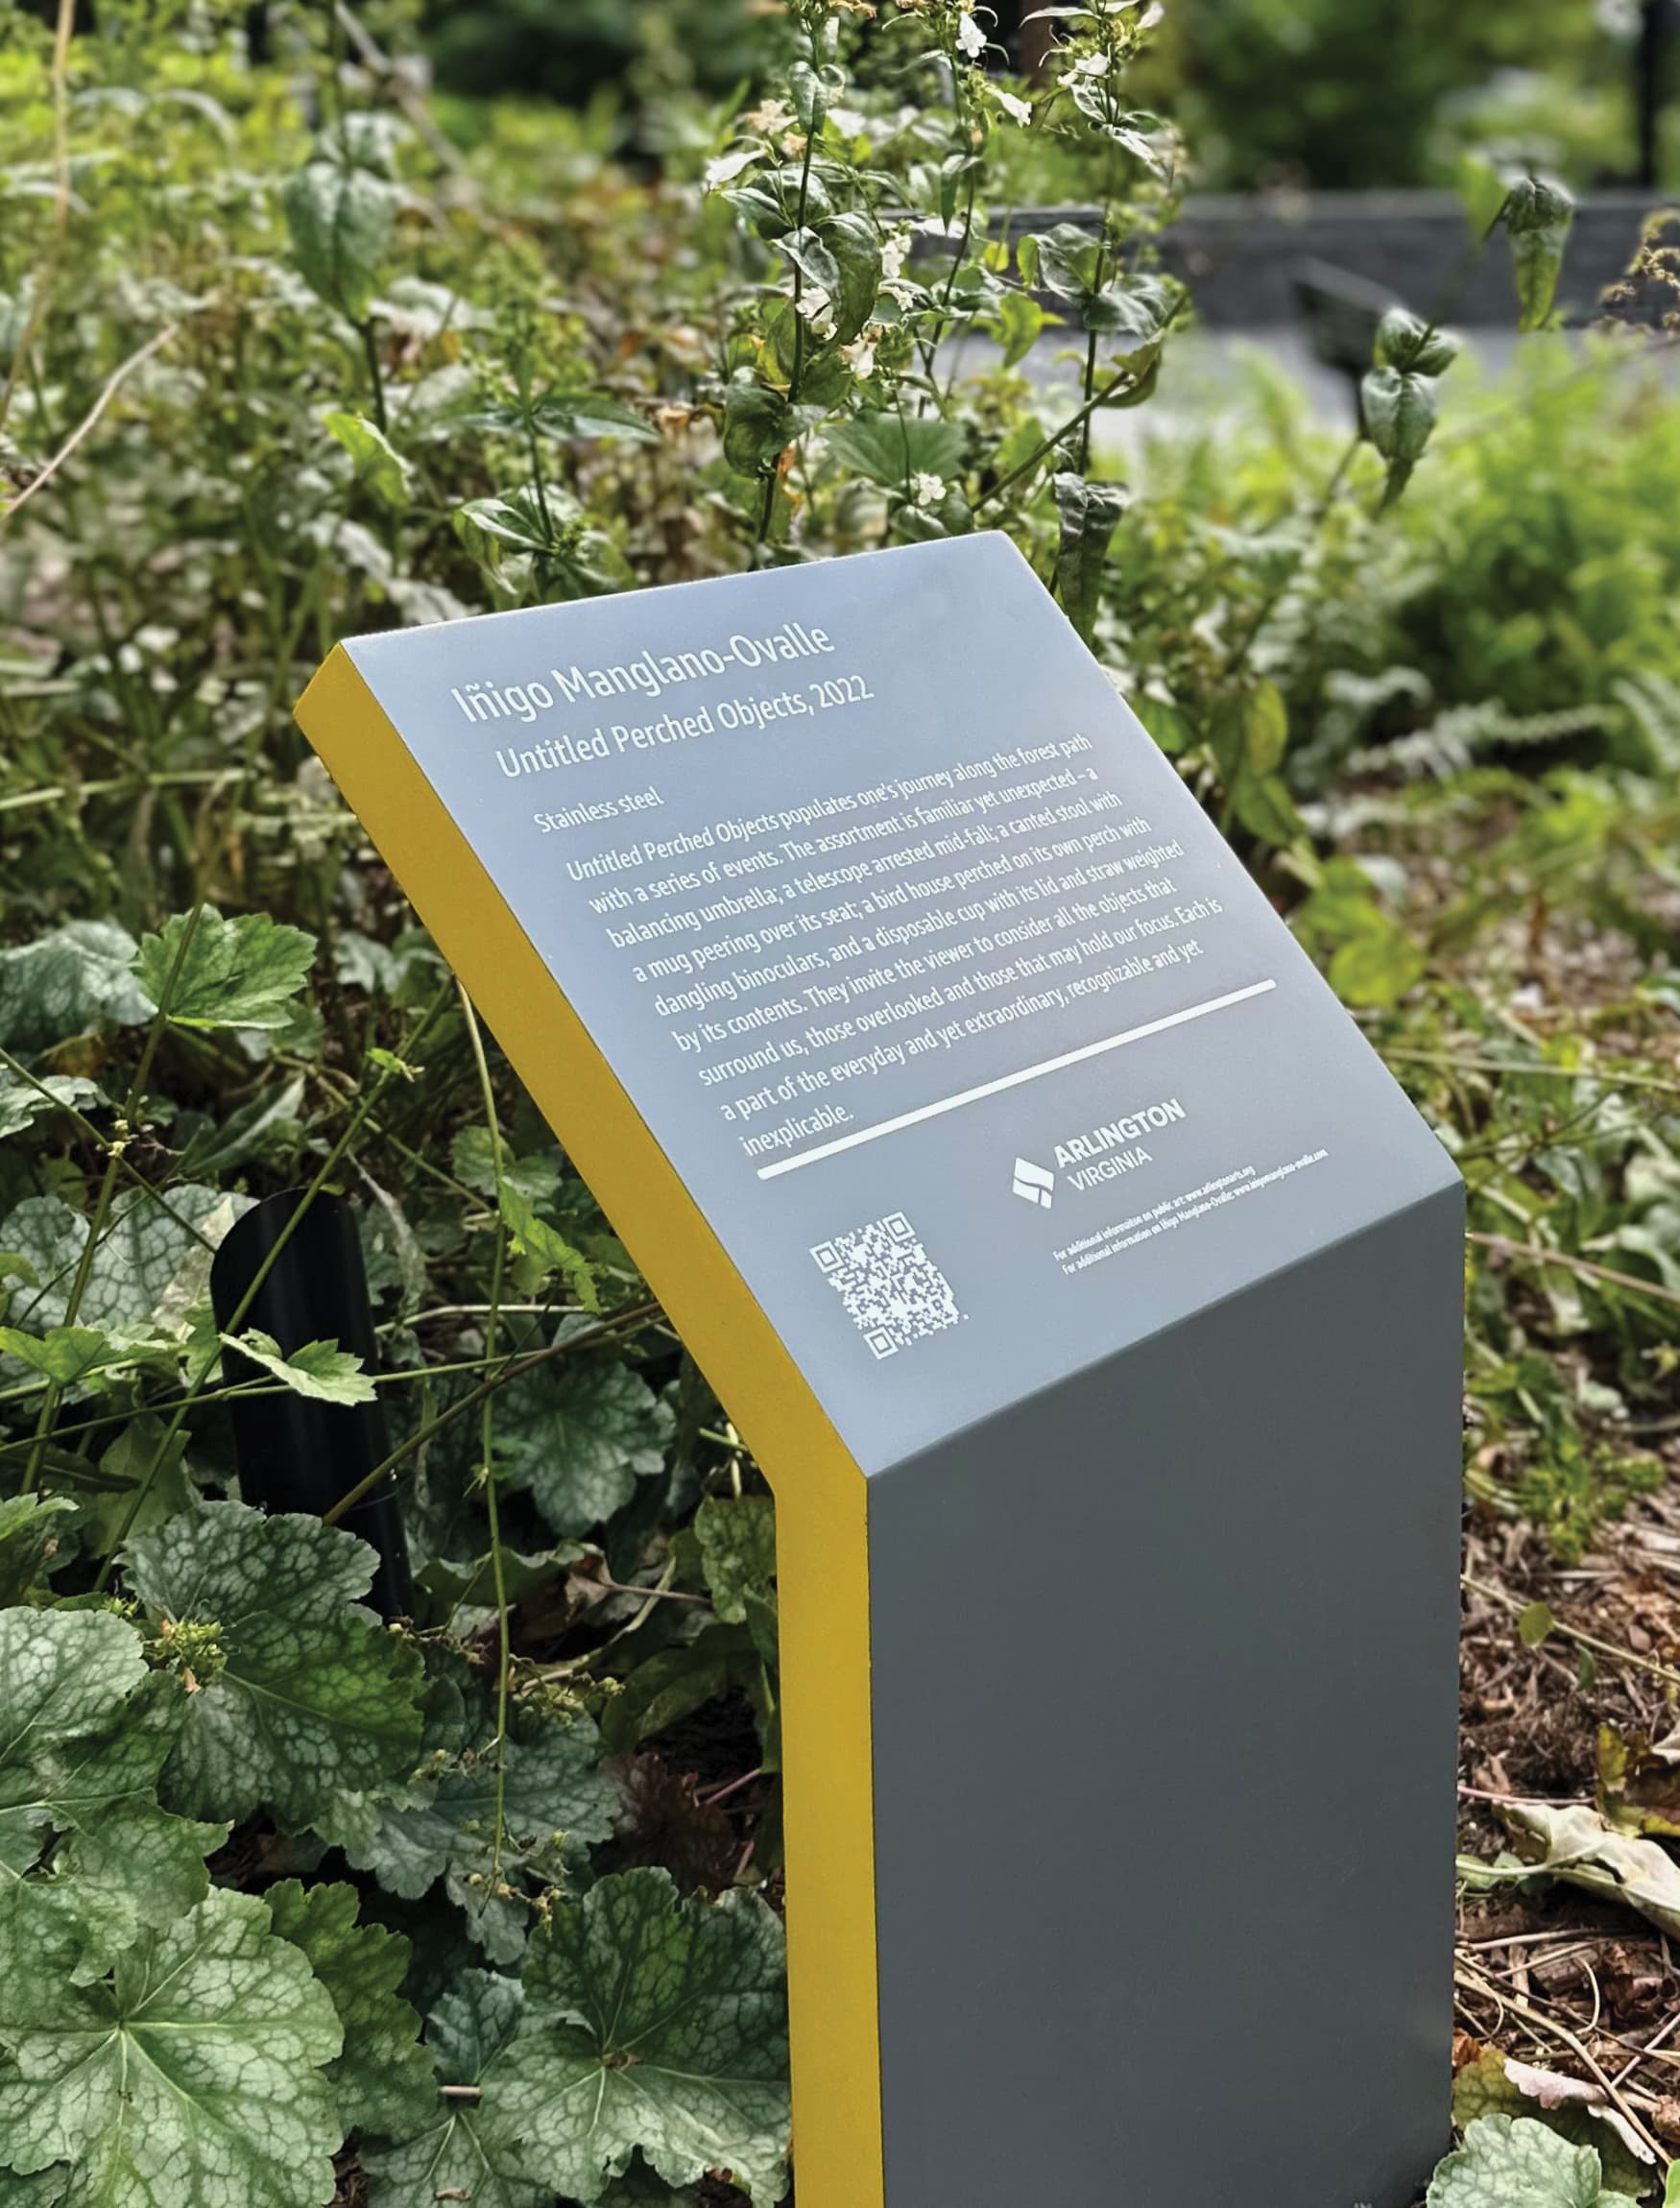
822,1496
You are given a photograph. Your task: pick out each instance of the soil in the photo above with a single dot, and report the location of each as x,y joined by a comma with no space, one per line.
1556,1977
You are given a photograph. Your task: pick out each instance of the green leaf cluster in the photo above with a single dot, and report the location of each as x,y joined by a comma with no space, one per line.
368,375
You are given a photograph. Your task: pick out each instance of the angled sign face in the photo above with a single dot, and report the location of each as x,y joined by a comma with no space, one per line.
945,1072
865,882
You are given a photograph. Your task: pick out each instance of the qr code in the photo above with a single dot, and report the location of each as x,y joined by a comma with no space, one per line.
893,1291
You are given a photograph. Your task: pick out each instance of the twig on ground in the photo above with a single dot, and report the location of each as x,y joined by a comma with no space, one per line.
1503,1246
1651,2048
113,383
1516,1606
1471,1978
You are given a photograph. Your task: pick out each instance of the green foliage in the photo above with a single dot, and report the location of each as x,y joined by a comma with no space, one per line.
316,1369
560,417
314,1700
493,1814
575,49
1090,514
1488,2087
341,218
362,378
1510,2162
64,1355
195,2069
530,1235
582,1432
383,2080
28,1540
1276,90
1371,959
88,1859
377,464
203,970
1400,411
148,1264
737,1542
64,1672
109,1858
65,982
654,2023
449,2156
22,1102
1538,219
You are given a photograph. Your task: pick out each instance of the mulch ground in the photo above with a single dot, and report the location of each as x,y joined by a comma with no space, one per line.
1555,1977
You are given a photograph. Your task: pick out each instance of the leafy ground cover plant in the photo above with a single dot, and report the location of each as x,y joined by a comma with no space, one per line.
322,371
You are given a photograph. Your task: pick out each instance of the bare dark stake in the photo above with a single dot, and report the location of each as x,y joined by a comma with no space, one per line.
296,1454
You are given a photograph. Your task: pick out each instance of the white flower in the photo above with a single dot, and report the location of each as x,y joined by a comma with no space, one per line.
859,357
1018,111
895,251
1090,65
818,309
728,166
772,116
927,490
970,39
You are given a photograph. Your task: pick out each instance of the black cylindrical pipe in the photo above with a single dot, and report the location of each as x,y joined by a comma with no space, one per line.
296,1453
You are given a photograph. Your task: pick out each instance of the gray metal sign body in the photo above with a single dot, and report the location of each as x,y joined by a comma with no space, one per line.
1166,1680
1127,1276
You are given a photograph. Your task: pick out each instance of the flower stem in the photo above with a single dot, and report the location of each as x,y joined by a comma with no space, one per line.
376,373
586,1338
1099,398
487,1446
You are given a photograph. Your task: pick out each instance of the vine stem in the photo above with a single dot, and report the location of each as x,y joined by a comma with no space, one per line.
486,1444
24,800
1075,421
1098,277
108,1184
1473,1982
106,1148
586,1338
953,60
1631,1657
541,487
318,1180
1509,1065
376,373
250,1391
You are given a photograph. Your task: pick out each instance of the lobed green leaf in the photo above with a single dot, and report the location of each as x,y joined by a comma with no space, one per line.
320,1370
193,2074
1508,2162
383,2080
654,2023
315,1699
240,973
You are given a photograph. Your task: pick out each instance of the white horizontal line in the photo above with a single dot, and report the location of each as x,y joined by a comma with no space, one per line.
1013,1080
